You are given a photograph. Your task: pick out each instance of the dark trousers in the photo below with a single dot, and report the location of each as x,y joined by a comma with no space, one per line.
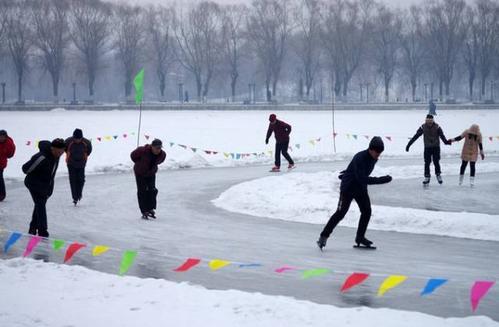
39,217
2,186
146,193
472,168
346,198
282,148
76,181
429,155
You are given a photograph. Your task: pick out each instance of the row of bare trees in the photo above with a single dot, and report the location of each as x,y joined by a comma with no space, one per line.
276,41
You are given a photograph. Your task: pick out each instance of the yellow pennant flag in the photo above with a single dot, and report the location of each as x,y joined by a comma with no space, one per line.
312,142
391,282
218,264
227,155
108,138
99,249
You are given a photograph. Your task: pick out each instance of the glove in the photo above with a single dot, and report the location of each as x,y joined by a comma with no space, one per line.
385,179
449,141
267,141
407,148
482,155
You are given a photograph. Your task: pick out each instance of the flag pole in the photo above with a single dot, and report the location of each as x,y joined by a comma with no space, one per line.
334,129
140,122
138,82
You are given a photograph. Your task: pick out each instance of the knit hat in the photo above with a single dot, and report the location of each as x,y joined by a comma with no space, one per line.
377,144
157,142
58,143
272,118
78,133
3,132
429,116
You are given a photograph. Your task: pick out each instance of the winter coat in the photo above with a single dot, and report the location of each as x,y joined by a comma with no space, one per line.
7,150
281,131
40,170
431,133
356,177
472,143
77,153
146,163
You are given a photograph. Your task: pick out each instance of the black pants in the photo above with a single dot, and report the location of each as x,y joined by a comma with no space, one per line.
472,168
39,217
76,181
429,155
282,148
146,193
2,186
364,203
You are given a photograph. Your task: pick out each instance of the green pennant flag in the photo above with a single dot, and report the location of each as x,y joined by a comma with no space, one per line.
138,81
127,261
314,273
58,244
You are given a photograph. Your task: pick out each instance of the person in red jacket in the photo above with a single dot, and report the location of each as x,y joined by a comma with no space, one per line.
146,159
7,150
281,131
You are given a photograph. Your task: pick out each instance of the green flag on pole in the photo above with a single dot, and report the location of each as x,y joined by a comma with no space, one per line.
138,81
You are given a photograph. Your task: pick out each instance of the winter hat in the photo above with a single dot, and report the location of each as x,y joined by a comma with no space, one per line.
272,118
58,144
474,129
3,133
377,144
429,116
78,133
157,142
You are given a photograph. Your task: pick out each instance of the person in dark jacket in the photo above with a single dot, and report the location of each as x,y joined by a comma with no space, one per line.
40,172
433,108
78,149
354,182
281,132
146,159
432,136
7,151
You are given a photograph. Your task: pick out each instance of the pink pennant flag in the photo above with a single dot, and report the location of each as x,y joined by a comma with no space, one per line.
491,138
389,138
72,249
354,280
283,269
147,137
188,264
125,136
478,291
33,242
28,143
335,134
99,138
319,139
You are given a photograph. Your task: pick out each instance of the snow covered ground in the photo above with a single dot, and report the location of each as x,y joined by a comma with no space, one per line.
34,293
233,132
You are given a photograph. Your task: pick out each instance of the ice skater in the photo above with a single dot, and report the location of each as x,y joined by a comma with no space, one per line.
471,147
146,159
433,133
7,151
354,182
78,149
281,132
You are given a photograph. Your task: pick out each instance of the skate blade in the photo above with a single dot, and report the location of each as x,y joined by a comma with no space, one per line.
363,247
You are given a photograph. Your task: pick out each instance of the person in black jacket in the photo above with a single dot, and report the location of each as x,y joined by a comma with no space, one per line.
432,136
40,172
78,149
354,181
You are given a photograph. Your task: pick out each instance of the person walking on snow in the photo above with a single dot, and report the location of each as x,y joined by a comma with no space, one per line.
472,144
354,182
281,132
7,151
78,149
432,134
146,159
433,108
40,173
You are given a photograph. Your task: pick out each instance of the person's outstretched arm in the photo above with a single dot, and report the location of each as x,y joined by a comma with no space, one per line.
418,134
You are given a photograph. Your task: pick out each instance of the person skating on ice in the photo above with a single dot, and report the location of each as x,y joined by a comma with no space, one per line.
78,149
471,148
432,134
281,132
7,151
354,182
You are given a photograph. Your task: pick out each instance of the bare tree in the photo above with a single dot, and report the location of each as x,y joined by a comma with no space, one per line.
307,40
470,49
20,36
161,37
233,19
445,23
52,37
413,47
269,29
90,30
130,38
198,39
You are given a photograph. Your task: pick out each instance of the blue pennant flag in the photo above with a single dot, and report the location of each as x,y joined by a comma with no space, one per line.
12,239
432,285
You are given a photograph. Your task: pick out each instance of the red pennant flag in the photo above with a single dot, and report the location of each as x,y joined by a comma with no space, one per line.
354,280
207,152
72,249
214,152
389,138
319,139
147,137
99,138
28,143
491,138
188,264
125,135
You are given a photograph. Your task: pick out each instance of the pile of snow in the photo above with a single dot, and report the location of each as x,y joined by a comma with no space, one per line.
232,132
312,198
46,294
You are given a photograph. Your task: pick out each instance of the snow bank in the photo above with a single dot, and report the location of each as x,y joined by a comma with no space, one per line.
312,198
46,294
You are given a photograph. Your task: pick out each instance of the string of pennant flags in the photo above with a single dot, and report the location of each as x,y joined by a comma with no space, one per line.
478,290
